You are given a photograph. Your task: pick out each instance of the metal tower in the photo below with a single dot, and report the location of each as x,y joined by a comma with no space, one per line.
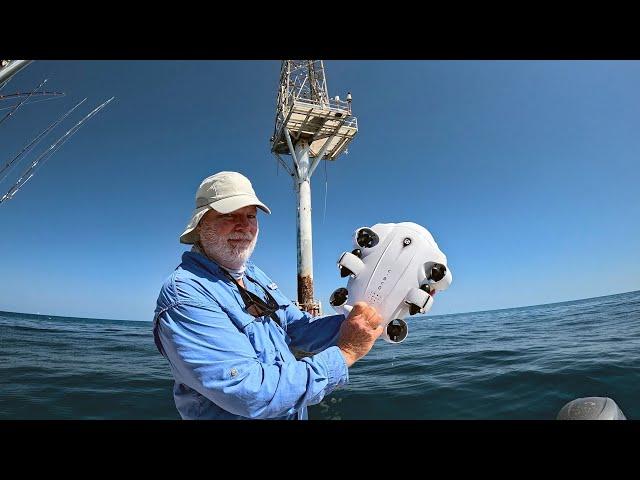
310,127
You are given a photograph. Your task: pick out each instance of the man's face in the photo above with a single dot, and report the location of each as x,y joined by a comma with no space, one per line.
229,238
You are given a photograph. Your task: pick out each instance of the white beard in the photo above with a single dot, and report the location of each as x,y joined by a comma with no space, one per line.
228,254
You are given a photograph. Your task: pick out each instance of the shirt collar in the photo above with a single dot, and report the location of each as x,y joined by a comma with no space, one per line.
199,260
195,260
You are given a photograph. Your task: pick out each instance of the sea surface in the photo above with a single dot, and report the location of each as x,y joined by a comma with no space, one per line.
520,363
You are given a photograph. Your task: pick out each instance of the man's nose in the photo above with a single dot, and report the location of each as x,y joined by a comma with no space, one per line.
242,221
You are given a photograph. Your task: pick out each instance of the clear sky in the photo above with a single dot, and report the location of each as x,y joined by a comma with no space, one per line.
527,174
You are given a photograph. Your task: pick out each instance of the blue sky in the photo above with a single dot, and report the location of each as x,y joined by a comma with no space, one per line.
526,173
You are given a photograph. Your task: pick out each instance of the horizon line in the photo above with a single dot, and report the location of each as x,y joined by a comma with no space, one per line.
431,316
533,306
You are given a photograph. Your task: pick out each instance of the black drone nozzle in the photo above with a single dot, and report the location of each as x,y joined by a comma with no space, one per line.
345,272
397,330
357,252
367,238
339,297
438,272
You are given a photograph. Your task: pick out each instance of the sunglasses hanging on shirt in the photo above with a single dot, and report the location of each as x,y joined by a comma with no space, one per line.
254,305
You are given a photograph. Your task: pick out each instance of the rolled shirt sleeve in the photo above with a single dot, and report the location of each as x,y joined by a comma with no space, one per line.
208,353
309,333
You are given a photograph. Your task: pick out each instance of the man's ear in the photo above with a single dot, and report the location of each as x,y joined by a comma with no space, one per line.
196,231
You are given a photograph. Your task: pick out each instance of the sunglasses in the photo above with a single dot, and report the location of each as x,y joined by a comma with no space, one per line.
253,304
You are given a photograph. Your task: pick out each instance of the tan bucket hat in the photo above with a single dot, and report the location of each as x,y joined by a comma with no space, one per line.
223,192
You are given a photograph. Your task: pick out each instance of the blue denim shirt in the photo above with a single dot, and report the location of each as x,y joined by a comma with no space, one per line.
228,364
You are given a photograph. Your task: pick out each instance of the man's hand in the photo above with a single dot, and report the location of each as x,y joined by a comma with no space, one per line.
358,332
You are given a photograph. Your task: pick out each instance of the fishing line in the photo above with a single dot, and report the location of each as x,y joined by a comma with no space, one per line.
35,142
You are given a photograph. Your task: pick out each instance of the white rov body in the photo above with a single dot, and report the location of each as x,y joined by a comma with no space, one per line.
397,268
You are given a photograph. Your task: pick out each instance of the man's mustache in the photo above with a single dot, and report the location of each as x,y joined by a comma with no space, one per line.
247,236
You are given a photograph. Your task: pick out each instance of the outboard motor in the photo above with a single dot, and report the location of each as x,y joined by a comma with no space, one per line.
591,408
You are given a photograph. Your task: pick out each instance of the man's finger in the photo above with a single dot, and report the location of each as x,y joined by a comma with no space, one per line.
359,308
364,310
370,312
376,321
367,312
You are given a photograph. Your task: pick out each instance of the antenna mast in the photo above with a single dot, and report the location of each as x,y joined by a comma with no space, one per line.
309,126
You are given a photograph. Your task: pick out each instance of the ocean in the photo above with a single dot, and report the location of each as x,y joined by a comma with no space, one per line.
519,363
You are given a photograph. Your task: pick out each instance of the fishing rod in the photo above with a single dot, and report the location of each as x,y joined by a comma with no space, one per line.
22,94
19,104
35,141
29,172
45,99
44,96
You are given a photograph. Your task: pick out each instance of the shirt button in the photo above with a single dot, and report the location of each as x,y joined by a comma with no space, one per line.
234,372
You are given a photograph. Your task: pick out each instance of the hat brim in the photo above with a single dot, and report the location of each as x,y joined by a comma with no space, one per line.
226,205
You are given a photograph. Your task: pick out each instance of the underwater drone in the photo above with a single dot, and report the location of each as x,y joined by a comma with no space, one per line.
397,268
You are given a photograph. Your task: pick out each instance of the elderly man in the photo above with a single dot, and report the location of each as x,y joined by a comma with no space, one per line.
227,330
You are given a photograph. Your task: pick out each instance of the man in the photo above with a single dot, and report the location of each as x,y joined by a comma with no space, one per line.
227,330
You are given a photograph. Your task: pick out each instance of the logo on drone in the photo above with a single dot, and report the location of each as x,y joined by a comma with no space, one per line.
384,279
